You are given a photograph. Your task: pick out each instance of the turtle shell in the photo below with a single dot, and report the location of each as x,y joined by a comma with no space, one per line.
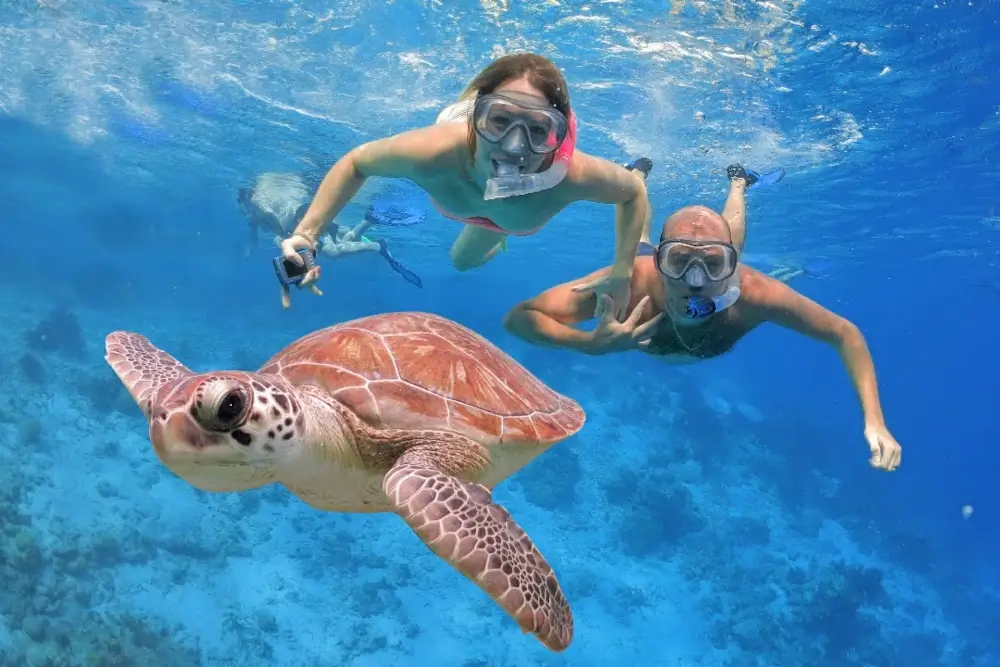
422,371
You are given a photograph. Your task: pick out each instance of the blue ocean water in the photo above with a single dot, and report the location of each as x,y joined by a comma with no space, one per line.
721,514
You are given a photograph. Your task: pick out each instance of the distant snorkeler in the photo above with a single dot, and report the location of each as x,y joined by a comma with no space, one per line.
276,202
785,270
503,160
691,299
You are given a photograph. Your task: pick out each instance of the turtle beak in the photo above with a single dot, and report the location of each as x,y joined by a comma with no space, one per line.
203,459
178,437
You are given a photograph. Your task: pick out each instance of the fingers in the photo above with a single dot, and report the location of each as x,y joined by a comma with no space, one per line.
885,457
892,458
290,253
605,307
291,246
646,331
637,312
876,449
621,312
876,460
585,287
311,276
286,297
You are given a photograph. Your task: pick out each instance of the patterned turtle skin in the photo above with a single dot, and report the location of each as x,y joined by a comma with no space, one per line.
409,413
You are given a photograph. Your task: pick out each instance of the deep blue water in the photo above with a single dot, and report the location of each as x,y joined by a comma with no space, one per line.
718,514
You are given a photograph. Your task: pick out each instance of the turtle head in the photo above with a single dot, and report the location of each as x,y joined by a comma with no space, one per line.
221,431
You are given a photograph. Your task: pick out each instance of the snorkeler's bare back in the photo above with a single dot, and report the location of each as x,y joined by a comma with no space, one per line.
449,180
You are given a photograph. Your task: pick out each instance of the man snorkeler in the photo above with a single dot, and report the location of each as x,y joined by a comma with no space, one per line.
691,299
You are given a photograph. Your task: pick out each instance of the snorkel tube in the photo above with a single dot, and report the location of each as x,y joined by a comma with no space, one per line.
510,182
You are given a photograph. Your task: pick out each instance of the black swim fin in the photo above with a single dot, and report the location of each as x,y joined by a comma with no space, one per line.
643,164
397,266
754,178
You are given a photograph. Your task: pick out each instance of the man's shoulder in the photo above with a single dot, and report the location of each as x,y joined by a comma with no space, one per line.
759,290
644,274
644,270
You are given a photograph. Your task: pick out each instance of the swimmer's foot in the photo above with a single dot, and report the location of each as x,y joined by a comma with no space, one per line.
397,266
643,164
735,171
753,178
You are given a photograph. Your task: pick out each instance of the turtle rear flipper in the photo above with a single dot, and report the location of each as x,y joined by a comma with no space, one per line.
460,523
140,366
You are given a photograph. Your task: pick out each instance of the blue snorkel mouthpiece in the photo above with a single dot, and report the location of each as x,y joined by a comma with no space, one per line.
702,306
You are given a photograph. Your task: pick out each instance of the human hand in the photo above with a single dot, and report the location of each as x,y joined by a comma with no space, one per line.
290,251
618,288
886,452
612,336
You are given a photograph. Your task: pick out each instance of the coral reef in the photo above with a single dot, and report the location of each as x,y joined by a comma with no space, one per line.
673,523
52,609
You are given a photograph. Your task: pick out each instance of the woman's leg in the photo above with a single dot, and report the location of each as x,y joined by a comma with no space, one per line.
475,246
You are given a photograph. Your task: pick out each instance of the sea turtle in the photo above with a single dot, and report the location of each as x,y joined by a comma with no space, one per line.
401,412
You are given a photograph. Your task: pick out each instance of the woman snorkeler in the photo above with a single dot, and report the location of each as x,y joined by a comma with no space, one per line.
503,160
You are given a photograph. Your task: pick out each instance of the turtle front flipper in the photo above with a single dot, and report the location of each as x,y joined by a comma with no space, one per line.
141,367
459,521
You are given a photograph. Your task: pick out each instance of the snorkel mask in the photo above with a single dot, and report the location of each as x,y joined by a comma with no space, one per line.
699,264
522,129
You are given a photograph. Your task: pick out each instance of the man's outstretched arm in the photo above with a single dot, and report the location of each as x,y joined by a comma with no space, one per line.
786,307
547,319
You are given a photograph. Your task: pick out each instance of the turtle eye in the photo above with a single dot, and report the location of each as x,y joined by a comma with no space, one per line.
223,406
230,408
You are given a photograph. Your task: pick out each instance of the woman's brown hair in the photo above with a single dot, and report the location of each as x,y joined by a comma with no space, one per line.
540,72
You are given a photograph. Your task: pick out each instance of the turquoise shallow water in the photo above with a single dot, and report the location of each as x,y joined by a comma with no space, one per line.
707,515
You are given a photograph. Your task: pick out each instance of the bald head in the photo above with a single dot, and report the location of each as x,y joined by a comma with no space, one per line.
697,223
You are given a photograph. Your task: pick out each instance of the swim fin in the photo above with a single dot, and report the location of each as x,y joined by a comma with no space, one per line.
643,164
760,180
753,178
397,266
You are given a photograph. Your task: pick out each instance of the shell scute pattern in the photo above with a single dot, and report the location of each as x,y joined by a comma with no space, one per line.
421,371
